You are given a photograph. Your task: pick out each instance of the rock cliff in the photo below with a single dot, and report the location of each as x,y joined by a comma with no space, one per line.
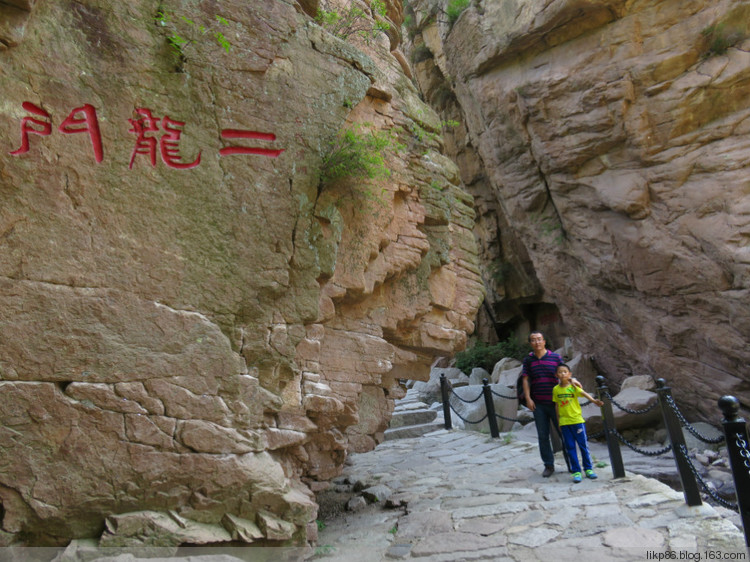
192,323
607,145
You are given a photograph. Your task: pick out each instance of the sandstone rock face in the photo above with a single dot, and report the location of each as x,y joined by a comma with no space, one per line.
191,327
610,142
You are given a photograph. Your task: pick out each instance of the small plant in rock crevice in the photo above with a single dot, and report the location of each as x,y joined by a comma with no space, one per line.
357,154
354,21
455,8
184,34
720,37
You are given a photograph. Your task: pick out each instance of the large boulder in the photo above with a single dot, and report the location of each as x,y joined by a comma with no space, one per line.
429,391
191,320
605,144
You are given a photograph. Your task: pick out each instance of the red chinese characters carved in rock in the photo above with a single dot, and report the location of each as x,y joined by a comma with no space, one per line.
242,134
169,142
146,127
81,120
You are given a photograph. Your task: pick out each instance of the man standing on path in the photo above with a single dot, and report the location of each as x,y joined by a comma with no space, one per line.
539,379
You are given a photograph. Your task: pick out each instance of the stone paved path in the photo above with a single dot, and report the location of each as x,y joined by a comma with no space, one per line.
465,496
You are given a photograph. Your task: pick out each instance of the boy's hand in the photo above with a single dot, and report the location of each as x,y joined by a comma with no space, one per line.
598,402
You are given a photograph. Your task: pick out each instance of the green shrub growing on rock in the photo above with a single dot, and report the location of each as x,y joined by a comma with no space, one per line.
485,356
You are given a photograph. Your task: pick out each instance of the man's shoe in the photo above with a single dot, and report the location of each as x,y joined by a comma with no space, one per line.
576,477
591,474
548,471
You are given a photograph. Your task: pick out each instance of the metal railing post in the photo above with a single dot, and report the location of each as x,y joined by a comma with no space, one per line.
444,393
608,420
679,449
490,405
738,448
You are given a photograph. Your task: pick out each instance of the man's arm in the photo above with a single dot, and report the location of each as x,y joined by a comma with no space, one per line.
527,393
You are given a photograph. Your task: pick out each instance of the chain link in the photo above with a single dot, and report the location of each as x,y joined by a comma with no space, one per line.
744,452
628,410
690,428
453,392
463,418
503,396
641,451
716,497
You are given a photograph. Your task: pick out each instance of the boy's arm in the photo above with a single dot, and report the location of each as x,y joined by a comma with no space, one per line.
589,397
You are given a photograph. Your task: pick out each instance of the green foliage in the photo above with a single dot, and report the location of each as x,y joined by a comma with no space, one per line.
719,38
455,8
442,96
182,33
357,153
321,524
499,271
422,135
549,227
323,550
485,356
420,53
437,186
393,530
354,21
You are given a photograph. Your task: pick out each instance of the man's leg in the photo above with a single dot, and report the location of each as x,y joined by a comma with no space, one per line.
544,414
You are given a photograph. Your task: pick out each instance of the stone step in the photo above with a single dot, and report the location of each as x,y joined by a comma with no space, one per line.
412,417
412,430
402,405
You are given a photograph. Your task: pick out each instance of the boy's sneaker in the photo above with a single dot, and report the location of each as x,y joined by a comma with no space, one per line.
576,477
591,474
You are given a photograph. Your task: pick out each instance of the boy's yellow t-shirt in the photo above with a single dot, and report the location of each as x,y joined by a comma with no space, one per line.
567,400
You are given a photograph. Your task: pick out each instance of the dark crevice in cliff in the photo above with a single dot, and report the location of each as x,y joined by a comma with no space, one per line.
524,119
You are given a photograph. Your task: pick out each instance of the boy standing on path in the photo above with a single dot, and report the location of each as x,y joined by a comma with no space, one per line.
565,396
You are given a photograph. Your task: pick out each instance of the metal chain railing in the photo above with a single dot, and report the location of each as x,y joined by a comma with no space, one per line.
706,488
689,427
506,419
628,410
448,394
465,401
637,449
502,395
738,446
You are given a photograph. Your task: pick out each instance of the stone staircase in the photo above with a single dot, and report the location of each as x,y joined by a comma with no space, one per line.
413,418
